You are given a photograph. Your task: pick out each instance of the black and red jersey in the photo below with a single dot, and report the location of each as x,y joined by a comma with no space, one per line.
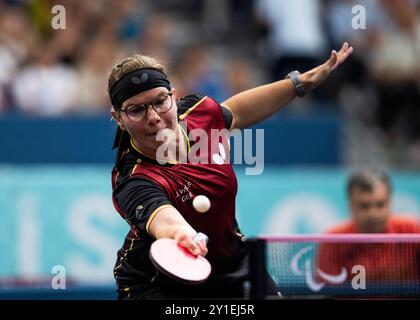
142,186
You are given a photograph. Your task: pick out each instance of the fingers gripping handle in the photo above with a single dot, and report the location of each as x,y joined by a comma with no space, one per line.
201,236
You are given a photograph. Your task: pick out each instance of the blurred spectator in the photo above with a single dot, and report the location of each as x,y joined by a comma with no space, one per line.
46,87
39,12
132,16
296,39
369,194
339,17
379,87
243,22
195,72
156,37
92,71
216,20
16,40
67,43
394,65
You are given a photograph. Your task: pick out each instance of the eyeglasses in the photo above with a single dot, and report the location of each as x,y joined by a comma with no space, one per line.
139,112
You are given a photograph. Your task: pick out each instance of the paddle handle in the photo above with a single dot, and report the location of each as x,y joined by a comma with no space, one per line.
200,236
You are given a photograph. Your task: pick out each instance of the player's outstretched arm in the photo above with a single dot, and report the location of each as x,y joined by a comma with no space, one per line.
254,105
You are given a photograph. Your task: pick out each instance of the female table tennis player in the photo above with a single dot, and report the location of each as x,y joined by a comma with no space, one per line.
153,190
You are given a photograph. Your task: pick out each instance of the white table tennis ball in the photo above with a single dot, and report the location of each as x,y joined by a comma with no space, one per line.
201,203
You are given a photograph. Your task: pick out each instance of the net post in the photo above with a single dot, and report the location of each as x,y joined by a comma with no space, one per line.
257,267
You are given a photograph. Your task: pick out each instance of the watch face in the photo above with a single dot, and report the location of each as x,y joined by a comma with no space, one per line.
300,89
292,73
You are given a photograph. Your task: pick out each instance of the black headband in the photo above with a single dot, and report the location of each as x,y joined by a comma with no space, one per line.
136,82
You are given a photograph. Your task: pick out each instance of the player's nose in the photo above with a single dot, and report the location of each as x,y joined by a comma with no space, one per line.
152,116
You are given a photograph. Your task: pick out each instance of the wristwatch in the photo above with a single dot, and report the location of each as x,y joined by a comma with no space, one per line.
300,89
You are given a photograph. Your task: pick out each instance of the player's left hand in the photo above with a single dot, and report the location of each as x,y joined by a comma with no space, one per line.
318,75
339,57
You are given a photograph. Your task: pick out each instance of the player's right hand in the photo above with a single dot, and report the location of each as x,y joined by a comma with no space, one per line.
185,237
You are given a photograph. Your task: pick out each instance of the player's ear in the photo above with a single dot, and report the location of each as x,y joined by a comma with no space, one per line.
117,117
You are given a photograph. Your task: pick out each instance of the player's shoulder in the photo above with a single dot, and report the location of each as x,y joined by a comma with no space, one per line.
133,184
345,227
403,224
189,101
194,100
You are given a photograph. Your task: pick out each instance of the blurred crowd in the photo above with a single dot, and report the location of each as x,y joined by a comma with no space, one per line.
49,72
220,47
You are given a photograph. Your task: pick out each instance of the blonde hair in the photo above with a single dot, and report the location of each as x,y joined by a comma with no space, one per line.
130,64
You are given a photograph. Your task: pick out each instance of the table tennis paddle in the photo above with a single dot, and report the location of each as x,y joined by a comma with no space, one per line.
178,263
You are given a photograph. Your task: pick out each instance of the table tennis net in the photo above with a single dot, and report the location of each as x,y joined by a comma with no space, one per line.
344,265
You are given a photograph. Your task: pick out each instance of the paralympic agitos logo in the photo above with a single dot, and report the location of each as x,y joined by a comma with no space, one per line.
317,281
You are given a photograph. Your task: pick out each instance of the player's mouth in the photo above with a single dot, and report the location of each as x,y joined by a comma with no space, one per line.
153,132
